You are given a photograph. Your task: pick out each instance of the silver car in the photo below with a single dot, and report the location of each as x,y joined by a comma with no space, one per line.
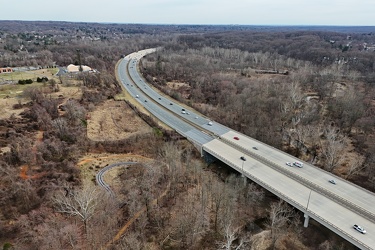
359,229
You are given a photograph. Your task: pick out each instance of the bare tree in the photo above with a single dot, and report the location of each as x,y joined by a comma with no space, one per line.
34,94
61,127
81,203
131,241
280,214
231,234
171,155
332,148
57,233
355,167
74,112
147,184
191,220
296,97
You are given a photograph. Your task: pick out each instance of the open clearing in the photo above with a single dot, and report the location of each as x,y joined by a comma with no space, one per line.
32,74
114,120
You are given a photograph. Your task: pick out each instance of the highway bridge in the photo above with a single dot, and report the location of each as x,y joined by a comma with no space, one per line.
337,207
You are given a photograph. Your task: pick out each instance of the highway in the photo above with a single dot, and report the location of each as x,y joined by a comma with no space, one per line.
338,207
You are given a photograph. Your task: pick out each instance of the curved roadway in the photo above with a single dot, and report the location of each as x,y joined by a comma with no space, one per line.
338,207
100,174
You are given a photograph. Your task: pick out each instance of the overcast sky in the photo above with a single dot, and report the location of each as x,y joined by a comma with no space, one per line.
251,12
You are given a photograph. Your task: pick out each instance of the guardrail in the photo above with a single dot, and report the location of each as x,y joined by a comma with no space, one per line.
99,176
306,163
338,231
292,202
355,208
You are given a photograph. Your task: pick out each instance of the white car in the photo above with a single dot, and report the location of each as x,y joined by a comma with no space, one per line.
210,123
298,164
359,229
289,164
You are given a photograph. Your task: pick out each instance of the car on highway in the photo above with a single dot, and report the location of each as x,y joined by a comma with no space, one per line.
182,109
359,229
159,98
137,96
289,164
183,112
255,148
170,103
210,123
196,117
236,138
145,100
332,181
243,158
298,164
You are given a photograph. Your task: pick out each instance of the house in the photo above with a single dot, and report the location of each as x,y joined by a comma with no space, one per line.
75,68
6,70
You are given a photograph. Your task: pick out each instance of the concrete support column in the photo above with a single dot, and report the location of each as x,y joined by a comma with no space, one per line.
306,223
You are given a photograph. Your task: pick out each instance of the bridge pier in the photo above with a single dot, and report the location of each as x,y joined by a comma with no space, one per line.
307,218
208,157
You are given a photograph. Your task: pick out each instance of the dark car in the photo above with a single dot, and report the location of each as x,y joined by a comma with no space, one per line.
236,138
243,158
332,181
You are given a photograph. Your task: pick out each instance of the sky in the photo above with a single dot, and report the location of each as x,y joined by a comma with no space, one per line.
241,12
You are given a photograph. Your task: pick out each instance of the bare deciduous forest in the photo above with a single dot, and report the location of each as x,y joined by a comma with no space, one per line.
309,92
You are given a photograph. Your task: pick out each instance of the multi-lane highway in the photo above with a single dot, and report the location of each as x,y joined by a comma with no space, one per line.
338,207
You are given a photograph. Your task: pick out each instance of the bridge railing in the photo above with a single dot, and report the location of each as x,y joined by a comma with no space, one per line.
289,200
348,204
310,165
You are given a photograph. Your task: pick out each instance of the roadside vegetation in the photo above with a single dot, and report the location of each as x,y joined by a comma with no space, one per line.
56,135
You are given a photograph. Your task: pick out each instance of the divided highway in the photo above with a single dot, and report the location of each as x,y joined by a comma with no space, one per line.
338,207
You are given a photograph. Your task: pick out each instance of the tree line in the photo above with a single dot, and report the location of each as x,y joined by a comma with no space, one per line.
315,112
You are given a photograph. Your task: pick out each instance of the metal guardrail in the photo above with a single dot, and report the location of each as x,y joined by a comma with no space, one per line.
99,176
292,202
306,163
339,231
348,204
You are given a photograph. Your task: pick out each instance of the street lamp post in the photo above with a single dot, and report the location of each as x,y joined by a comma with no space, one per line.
308,201
243,160
307,217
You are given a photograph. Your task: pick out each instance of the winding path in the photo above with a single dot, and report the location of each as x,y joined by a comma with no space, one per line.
100,174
